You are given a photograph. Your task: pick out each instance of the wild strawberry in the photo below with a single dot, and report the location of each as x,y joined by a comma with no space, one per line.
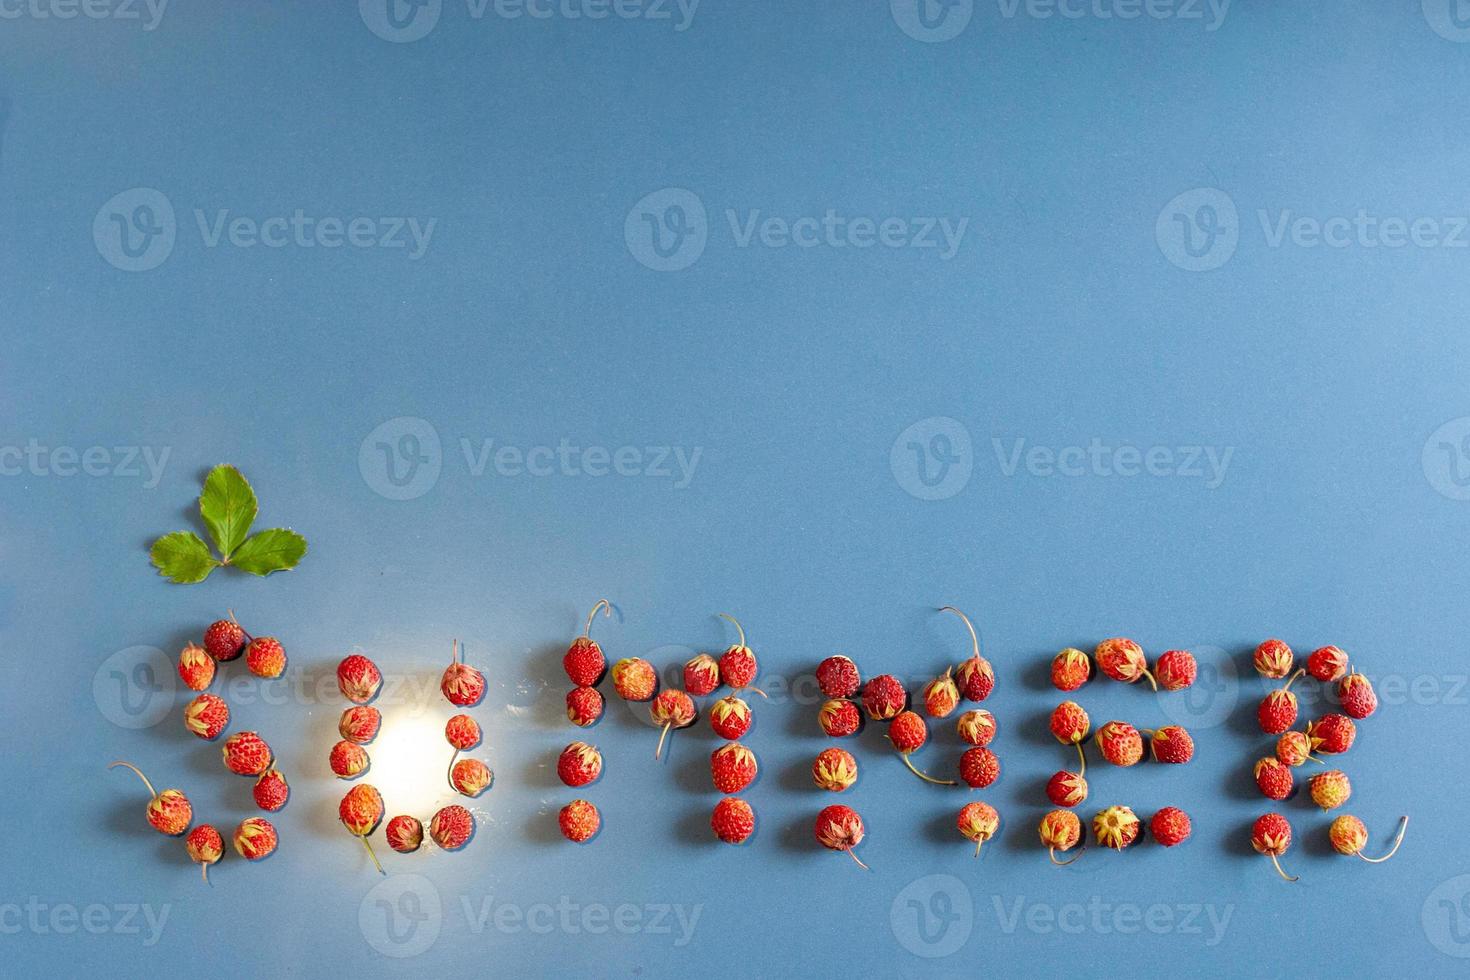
348,760
452,827
360,811
1170,826
979,767
255,838
1278,709
838,677
207,716
940,696
271,791
840,718
225,640
196,669
1273,659
1122,660
634,679
1327,664
405,834
730,717
1294,748
358,678
1120,743
839,828
701,675
1069,725
584,706
1274,778
584,662
169,812
1330,789
1070,669
733,821
1171,744
1332,733
1066,788
978,821
671,709
834,769
976,727
1356,695
1175,670
884,697
1060,831
462,684
247,754
265,657
462,732
360,724
1115,827
470,777
205,846
1349,836
1271,835
908,733
975,677
733,767
579,764
579,821
737,664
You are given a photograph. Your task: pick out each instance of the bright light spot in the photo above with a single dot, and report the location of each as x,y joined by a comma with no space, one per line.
411,764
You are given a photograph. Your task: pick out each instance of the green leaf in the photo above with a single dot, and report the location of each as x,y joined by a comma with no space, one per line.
270,551
183,557
228,507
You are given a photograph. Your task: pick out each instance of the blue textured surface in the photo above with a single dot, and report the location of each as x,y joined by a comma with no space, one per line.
537,311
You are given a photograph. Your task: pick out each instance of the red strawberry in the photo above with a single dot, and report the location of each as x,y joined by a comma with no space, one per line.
834,769
1176,670
838,677
1278,709
271,791
348,760
207,716
940,696
733,821
1070,669
1327,664
265,657
634,679
255,838
840,718
976,679
672,709
1120,743
360,724
579,764
976,727
979,767
1294,748
1271,835
1332,733
1066,788
1274,778
405,834
1273,659
1170,826
1122,660
584,706
584,662
701,675
737,664
839,828
462,685
358,678
1171,744
733,767
579,821
196,667
884,697
462,732
246,754
1356,695
470,777
908,733
224,639
452,827
730,718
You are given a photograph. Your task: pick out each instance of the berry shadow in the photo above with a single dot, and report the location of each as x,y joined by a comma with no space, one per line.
540,773
543,828
1036,673
693,827
1313,839
1238,841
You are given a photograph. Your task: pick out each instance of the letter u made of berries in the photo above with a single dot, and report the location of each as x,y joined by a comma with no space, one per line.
585,666
733,766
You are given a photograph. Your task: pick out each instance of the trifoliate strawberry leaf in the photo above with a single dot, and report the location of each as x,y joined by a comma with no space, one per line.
275,550
228,507
183,557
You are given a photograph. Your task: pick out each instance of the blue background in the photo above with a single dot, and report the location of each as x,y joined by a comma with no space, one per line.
531,319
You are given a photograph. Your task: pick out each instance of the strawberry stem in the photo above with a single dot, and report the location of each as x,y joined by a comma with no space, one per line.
738,627
974,640
135,769
860,864
601,604
1152,683
925,776
658,752
1082,756
449,773
978,843
369,848
1280,872
1292,680
1052,853
1403,826
204,870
